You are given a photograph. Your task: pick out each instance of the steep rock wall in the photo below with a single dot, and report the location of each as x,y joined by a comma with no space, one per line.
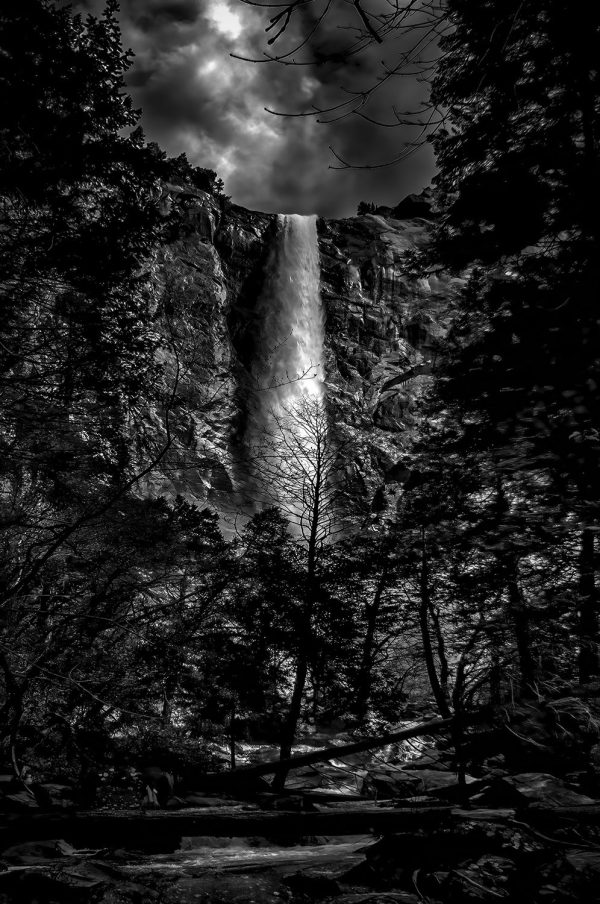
204,285
380,325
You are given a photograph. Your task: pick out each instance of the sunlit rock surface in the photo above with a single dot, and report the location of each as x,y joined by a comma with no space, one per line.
380,327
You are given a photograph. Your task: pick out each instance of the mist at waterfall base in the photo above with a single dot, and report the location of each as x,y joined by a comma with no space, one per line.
287,404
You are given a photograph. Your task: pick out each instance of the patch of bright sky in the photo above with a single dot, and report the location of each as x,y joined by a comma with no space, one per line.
308,85
219,76
211,153
225,21
225,164
207,67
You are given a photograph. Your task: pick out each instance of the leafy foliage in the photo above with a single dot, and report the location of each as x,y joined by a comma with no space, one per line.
517,403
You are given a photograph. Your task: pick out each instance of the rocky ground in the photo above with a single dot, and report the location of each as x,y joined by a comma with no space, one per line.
466,856
528,831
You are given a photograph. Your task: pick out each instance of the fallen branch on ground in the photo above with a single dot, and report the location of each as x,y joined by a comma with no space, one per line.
435,726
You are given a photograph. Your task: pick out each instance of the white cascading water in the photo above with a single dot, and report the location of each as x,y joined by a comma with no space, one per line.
292,318
288,371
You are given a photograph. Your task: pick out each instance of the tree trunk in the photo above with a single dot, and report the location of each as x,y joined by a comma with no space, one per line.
316,679
589,665
167,708
288,734
517,607
12,710
519,614
441,649
232,762
424,609
495,678
458,732
364,680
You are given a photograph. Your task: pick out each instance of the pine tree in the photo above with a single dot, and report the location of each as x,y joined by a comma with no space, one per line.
80,220
519,175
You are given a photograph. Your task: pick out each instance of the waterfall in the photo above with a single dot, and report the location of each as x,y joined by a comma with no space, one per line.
290,364
288,374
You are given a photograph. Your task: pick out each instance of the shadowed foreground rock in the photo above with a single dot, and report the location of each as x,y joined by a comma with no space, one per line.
462,856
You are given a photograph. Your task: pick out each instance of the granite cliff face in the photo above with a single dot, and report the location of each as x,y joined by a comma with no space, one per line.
380,323
381,328
205,286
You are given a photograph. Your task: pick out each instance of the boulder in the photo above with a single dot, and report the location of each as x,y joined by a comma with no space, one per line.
445,784
38,885
539,787
304,778
18,802
430,759
495,762
38,851
385,784
585,861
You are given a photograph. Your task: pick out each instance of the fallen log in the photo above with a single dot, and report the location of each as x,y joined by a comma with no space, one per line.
495,716
162,830
159,830
243,773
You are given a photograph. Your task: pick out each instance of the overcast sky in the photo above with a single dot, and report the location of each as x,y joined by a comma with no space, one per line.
196,98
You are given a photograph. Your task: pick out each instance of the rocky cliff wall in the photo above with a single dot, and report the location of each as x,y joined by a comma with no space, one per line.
380,324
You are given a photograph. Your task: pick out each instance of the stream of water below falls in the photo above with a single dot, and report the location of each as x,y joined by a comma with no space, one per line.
242,854
247,870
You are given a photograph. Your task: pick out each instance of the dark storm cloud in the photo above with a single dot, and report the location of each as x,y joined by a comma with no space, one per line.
196,98
176,10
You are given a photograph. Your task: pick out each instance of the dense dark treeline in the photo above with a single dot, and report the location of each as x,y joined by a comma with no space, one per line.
513,427
131,623
82,220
